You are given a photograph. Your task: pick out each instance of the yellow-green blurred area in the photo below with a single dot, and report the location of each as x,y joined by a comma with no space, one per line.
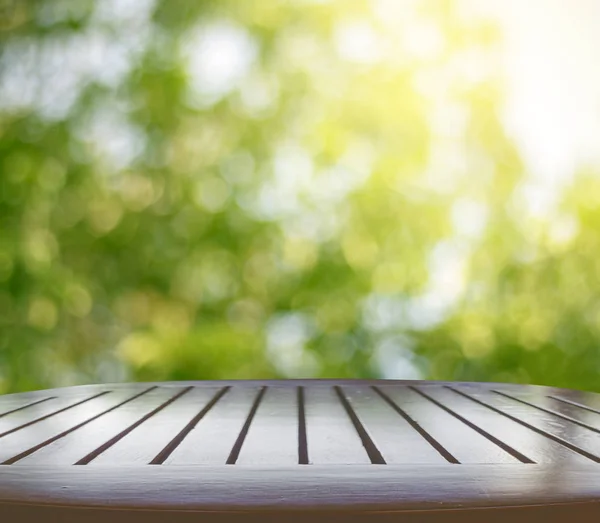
255,189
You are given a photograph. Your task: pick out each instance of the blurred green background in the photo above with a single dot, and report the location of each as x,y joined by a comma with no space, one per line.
240,189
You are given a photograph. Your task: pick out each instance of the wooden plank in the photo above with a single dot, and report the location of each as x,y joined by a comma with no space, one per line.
273,433
463,442
30,437
39,411
578,439
9,401
213,438
579,413
16,404
331,435
587,400
398,441
81,442
537,447
145,442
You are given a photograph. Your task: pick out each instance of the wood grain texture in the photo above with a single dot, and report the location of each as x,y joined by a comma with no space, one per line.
136,448
583,442
331,435
387,428
531,444
273,435
300,449
17,419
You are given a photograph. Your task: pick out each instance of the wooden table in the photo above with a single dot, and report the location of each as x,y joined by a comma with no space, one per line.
381,451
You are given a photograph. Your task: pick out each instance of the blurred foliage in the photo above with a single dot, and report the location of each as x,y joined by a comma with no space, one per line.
203,190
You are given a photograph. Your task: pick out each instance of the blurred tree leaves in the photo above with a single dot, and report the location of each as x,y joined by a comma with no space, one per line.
202,190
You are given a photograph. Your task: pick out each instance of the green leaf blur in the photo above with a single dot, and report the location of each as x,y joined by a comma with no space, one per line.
232,189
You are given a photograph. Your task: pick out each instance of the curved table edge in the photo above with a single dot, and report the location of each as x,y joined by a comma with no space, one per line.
385,488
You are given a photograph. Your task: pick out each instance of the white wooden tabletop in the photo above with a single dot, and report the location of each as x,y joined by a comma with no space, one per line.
300,449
